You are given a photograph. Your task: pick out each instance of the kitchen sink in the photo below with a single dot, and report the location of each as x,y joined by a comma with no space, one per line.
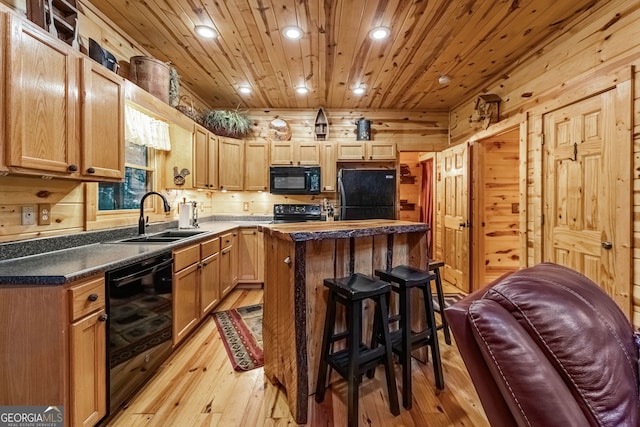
168,236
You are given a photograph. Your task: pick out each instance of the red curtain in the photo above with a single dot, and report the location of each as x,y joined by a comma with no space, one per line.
426,202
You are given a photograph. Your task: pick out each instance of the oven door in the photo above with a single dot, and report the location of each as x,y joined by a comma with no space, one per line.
140,324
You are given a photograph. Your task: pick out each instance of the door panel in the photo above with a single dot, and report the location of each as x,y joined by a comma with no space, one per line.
455,238
585,186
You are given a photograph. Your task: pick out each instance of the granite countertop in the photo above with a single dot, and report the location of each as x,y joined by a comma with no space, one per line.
59,267
303,231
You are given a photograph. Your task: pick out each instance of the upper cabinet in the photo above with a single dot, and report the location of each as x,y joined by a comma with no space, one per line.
64,115
256,174
366,150
178,170
3,38
42,117
102,122
205,152
230,163
328,166
295,153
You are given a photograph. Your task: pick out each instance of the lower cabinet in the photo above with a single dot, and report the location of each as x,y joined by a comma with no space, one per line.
228,262
195,285
54,341
251,256
88,352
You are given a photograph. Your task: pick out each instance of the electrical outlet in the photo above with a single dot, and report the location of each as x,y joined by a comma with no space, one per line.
245,206
28,215
44,214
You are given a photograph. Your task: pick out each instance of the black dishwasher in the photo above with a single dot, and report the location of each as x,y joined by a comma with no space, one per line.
139,304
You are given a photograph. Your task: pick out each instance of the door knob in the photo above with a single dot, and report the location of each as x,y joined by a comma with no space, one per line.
606,245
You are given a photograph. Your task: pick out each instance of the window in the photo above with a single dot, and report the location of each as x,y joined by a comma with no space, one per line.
139,177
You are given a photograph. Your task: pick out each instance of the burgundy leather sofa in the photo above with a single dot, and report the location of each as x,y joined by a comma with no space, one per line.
545,346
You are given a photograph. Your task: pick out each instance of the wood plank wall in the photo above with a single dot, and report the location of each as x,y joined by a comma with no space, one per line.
577,65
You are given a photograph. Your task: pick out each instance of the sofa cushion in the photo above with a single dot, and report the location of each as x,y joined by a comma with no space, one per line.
580,334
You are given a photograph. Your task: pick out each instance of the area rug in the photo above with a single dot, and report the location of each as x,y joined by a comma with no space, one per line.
448,299
241,332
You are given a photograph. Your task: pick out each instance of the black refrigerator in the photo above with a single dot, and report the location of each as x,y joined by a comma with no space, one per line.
367,193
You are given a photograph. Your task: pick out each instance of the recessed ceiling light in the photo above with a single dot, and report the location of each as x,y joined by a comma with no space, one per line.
358,90
293,33
206,31
444,80
379,33
302,90
244,89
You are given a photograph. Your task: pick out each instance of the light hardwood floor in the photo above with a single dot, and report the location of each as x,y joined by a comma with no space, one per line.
198,387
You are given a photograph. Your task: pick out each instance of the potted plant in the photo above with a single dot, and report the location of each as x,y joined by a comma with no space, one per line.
230,123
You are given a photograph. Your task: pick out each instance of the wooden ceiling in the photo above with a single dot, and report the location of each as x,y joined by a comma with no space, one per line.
472,41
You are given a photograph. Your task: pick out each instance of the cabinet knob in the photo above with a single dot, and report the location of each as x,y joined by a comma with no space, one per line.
363,157
607,245
72,168
103,317
287,260
93,297
91,170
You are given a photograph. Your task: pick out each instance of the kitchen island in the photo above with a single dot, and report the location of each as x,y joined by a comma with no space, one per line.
298,256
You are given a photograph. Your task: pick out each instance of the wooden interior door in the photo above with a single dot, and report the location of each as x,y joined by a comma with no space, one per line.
455,216
587,191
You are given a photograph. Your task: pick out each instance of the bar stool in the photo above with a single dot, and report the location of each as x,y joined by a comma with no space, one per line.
357,358
404,340
444,325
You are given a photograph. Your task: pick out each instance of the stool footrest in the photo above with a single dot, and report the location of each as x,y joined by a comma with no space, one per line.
368,359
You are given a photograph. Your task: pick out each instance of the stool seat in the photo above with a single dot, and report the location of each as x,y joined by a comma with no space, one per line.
357,286
406,276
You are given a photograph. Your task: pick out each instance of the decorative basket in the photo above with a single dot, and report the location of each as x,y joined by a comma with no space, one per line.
188,109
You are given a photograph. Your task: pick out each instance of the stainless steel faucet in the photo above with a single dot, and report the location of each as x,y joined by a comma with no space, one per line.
141,221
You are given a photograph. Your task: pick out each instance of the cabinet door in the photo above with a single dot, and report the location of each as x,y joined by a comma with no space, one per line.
226,281
230,163
87,350
209,284
256,174
308,153
351,151
3,77
328,166
250,256
282,153
102,123
200,154
185,296
205,163
43,131
381,150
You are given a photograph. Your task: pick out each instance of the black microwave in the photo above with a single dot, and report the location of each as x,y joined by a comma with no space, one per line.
294,179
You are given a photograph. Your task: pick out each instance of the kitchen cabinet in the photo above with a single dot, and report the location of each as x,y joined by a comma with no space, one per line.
42,116
179,160
196,285
87,352
205,164
366,150
54,342
186,264
250,256
228,262
230,163
290,153
209,275
256,173
102,123
328,166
